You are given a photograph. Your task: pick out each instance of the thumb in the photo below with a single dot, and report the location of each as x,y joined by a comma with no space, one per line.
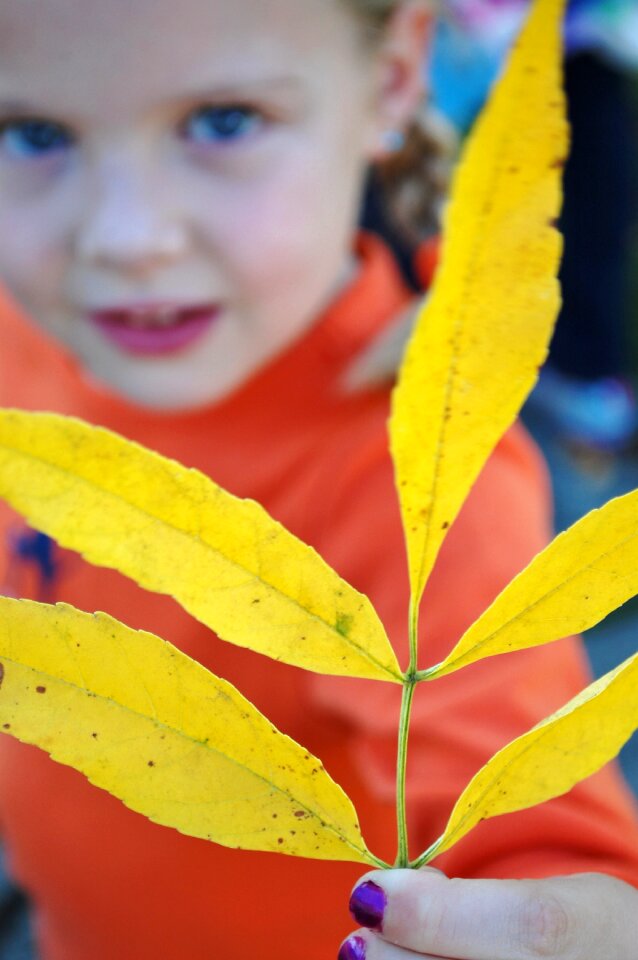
588,916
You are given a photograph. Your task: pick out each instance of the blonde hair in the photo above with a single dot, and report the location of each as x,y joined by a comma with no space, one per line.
414,178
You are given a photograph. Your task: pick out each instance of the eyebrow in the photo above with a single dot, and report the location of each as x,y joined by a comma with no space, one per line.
15,106
243,87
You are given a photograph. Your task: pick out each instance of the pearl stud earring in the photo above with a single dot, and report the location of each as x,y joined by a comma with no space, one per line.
393,140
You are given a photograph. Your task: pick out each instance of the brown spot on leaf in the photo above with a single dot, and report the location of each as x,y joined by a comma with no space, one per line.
280,840
445,525
300,813
6,726
94,735
151,763
40,689
558,163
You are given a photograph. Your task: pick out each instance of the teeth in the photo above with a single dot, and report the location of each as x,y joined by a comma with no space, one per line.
138,320
164,317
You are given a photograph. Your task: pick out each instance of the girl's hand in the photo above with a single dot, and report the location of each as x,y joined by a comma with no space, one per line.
410,914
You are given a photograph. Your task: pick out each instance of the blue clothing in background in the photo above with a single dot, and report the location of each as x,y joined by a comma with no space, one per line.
472,37
16,942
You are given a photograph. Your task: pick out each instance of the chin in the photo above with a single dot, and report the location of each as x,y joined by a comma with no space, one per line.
153,386
165,397
165,400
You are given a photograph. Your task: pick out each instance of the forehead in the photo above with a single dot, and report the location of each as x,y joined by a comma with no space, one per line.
60,50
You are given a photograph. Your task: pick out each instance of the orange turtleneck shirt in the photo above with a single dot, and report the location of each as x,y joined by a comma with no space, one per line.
106,882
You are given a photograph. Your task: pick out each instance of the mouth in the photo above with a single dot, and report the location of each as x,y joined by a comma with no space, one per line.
154,329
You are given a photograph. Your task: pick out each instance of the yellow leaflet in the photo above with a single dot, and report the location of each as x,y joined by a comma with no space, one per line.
484,330
556,754
583,575
174,742
174,531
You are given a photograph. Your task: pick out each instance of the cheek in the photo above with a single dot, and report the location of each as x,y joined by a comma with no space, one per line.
37,212
31,257
290,232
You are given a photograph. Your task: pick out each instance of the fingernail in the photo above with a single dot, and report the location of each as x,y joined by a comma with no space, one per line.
354,948
367,905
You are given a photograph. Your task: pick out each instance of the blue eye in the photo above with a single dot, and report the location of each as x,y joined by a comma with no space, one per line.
32,138
222,124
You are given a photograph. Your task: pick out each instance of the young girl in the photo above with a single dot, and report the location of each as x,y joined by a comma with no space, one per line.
179,193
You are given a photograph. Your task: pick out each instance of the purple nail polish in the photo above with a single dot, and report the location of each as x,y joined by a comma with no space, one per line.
367,905
354,948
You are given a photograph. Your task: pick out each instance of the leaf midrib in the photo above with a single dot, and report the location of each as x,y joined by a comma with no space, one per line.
542,729
28,455
542,599
459,332
162,724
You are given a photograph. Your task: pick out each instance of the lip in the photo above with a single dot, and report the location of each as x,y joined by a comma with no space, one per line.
154,329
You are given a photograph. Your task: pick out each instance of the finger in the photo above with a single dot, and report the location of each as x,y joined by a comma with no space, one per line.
364,945
587,916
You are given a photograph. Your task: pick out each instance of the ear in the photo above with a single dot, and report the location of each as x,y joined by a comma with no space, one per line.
400,72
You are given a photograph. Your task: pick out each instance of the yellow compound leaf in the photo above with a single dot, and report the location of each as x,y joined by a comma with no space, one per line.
552,757
583,575
174,531
485,329
143,721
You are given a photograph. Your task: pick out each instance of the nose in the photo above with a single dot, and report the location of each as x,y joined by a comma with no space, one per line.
128,223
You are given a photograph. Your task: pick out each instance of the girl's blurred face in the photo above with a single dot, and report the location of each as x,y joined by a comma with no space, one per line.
179,182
